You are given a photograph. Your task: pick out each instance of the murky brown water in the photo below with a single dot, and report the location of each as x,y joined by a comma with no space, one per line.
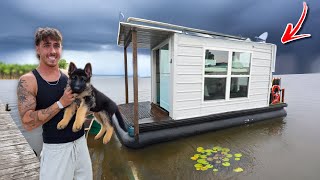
274,149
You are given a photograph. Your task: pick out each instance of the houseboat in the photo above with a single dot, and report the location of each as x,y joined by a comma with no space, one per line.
201,81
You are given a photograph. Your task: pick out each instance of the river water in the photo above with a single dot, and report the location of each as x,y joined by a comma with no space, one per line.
285,148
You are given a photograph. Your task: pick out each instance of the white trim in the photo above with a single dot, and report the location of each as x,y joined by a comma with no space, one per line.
118,37
174,75
228,81
270,72
153,77
170,93
274,51
148,27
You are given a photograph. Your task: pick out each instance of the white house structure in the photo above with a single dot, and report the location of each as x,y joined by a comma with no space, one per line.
198,77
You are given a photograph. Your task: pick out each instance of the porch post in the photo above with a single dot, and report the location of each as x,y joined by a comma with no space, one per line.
126,74
135,83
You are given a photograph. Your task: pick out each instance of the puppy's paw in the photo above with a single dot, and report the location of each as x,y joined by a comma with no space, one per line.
108,135
97,137
62,124
76,127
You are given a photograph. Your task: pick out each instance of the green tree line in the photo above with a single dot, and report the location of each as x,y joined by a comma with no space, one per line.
14,71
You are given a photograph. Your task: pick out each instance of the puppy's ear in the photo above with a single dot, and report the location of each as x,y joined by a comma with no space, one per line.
72,67
88,70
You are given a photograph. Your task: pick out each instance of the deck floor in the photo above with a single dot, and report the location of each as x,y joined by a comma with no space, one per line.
17,159
148,113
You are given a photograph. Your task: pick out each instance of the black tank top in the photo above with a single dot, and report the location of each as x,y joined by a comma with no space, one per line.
47,95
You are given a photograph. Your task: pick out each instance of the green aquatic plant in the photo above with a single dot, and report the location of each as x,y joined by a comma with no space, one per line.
200,149
229,155
225,159
217,148
225,149
239,169
238,155
203,156
202,161
215,158
226,164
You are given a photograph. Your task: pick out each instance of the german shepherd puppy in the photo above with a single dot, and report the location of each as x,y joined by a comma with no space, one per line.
89,99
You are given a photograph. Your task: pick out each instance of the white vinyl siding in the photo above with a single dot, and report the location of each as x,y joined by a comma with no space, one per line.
188,57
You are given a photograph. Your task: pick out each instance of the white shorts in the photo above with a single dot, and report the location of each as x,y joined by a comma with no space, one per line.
66,161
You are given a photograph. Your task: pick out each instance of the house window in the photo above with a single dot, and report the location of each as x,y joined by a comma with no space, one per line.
217,75
216,70
240,74
239,87
240,63
216,62
215,88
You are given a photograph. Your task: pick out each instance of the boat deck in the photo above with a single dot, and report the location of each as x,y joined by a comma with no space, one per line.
148,113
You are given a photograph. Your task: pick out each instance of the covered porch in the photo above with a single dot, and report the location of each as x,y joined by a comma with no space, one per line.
141,114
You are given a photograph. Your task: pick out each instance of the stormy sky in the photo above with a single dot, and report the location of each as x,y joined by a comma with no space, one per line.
90,28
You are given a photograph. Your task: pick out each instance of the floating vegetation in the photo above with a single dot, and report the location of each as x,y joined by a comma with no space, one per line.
239,169
225,159
217,159
229,155
226,164
238,155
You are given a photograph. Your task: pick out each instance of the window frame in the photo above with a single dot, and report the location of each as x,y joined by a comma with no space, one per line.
228,76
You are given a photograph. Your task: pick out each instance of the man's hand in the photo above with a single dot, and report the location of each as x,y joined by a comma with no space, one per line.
67,97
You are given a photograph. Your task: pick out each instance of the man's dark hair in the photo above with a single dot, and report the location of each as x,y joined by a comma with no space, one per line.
42,34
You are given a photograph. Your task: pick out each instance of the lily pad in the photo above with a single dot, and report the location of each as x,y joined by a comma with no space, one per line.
215,170
198,168
225,149
202,161
209,166
217,148
226,164
218,162
198,165
208,150
203,156
204,168
225,159
239,169
209,159
237,159
200,149
238,155
194,158
229,155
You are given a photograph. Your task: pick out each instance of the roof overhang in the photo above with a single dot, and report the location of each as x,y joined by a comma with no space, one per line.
147,36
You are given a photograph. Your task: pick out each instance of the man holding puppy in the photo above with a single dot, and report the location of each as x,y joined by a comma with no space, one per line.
42,96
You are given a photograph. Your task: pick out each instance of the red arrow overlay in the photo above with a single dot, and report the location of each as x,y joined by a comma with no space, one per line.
289,34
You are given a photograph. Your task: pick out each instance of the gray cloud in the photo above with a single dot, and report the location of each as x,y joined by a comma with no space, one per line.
93,25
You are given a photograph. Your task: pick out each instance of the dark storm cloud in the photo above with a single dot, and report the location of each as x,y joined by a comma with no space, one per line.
93,25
